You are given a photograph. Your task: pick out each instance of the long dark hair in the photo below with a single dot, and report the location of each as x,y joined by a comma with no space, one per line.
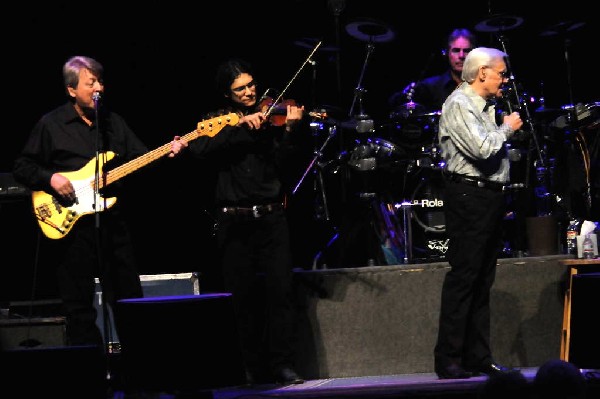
228,71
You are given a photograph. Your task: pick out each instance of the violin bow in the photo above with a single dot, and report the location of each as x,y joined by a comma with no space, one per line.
278,99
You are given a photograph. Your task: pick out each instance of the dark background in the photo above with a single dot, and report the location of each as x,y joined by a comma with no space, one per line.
160,59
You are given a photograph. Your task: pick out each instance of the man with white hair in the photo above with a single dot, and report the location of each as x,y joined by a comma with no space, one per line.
476,170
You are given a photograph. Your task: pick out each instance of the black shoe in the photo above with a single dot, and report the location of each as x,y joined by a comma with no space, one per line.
250,378
491,369
286,375
451,372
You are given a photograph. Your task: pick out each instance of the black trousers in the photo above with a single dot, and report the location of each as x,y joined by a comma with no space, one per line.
89,251
474,227
257,270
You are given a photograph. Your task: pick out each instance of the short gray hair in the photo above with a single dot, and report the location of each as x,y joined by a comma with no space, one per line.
75,64
478,57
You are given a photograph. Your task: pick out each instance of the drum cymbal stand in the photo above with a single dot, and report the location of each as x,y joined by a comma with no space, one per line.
575,110
364,123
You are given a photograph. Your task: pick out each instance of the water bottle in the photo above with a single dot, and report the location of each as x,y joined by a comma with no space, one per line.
572,231
588,248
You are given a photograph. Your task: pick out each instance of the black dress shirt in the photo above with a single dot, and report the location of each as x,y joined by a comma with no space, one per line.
62,142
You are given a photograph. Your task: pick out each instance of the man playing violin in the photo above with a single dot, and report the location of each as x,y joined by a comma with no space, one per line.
252,228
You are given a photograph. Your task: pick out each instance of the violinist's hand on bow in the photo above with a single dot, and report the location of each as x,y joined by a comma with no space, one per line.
252,121
293,116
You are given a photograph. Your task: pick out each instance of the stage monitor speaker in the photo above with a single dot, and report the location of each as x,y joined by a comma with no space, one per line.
584,349
62,372
182,343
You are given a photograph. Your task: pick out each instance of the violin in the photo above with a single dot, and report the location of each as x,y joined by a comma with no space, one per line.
277,113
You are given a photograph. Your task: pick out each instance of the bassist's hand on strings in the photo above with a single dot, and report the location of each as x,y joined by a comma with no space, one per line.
63,187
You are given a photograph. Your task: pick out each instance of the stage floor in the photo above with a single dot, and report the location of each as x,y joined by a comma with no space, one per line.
422,385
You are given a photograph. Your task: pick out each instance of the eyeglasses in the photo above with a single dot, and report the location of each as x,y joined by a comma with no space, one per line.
503,74
240,89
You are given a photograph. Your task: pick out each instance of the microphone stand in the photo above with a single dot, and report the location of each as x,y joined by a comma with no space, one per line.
106,317
522,106
541,170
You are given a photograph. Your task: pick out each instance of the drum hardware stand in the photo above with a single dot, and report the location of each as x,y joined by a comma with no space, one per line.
318,154
407,227
394,238
323,207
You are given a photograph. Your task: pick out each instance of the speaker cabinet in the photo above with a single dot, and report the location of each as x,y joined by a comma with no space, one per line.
584,349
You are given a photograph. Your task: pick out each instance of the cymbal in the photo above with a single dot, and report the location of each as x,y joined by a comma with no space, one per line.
370,31
499,23
544,110
562,28
311,42
406,110
360,123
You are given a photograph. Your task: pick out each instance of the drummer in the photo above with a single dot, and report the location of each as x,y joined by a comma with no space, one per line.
429,94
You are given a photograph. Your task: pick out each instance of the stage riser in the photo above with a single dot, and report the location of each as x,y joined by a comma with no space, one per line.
383,320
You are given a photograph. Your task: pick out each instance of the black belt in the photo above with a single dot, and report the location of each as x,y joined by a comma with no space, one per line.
254,211
476,182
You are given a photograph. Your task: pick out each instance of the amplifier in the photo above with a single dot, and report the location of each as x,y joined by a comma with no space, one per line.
10,189
38,332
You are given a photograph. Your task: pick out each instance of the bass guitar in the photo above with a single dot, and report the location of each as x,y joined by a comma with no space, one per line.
56,220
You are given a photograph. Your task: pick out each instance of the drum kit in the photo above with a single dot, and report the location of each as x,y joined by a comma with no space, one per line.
389,169
395,168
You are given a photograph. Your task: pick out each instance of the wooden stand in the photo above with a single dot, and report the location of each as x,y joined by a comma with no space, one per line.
575,266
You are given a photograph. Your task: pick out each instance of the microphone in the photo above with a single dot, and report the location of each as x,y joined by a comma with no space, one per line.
97,96
336,6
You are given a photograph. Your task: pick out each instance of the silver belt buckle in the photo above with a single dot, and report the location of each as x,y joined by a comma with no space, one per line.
255,212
